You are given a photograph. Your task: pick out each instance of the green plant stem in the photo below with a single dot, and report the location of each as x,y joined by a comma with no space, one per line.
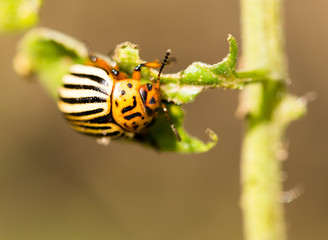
262,48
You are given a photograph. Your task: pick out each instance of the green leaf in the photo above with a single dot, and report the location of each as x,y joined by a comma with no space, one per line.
184,86
161,136
48,55
18,14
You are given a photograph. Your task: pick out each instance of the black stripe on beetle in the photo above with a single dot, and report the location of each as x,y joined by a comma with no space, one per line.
104,70
103,119
129,85
93,127
88,87
129,108
91,77
109,134
133,115
85,113
83,100
113,133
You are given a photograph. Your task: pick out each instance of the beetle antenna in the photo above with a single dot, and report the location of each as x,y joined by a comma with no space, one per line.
164,62
173,127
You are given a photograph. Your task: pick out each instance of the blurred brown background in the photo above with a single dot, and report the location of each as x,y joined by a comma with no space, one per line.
57,184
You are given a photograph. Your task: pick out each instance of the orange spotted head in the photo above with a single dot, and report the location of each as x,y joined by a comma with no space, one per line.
151,98
151,93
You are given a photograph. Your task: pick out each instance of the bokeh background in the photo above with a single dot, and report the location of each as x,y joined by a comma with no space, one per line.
57,184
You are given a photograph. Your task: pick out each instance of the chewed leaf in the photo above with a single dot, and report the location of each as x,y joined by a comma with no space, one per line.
48,54
184,86
180,93
161,136
18,14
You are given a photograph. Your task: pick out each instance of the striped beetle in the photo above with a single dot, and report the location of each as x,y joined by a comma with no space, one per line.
99,100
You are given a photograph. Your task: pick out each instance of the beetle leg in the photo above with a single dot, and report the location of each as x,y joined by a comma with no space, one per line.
173,127
98,62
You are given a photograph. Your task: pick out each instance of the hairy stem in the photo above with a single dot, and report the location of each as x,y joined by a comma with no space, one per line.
262,48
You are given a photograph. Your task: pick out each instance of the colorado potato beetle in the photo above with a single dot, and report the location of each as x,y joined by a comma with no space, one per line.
99,100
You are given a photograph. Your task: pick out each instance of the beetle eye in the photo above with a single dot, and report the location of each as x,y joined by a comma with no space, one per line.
149,86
